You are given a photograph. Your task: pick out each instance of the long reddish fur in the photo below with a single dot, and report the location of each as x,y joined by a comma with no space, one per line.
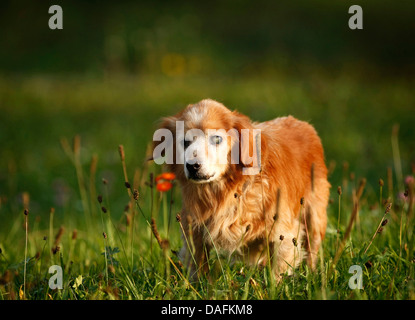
239,213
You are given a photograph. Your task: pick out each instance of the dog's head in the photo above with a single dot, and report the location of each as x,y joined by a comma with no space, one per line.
206,142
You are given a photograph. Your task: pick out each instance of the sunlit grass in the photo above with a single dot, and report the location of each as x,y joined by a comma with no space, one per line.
60,149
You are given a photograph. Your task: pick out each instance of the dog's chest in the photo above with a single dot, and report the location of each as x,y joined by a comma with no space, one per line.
235,223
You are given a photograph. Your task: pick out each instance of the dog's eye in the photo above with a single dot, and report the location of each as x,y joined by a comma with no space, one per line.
215,139
186,143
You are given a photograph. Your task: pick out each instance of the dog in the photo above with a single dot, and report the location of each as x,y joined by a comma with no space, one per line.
266,202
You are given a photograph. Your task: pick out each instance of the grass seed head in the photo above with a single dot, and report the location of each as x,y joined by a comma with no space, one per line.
362,185
104,209
151,182
384,222
164,244
59,235
406,193
155,231
381,183
99,198
136,194
388,207
26,212
121,151
127,219
127,185
295,242
339,190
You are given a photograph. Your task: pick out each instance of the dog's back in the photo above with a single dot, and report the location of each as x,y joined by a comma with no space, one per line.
296,157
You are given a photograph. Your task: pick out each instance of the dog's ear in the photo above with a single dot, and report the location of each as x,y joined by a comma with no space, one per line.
249,141
166,129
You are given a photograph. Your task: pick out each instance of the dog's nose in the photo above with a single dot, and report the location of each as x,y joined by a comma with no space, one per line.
192,167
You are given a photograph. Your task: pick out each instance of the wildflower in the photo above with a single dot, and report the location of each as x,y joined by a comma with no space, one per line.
164,181
409,180
166,176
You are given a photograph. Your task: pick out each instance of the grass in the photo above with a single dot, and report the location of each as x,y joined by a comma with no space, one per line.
114,242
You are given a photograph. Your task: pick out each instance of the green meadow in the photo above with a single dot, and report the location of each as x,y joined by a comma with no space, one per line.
60,141
71,99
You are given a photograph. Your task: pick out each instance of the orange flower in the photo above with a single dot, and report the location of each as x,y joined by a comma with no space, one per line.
166,176
164,181
164,186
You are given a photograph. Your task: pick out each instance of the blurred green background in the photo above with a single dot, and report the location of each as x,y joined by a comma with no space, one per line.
116,68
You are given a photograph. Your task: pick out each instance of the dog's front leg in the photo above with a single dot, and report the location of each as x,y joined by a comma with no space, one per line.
195,252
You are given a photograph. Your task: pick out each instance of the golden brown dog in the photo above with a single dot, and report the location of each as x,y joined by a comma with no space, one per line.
267,200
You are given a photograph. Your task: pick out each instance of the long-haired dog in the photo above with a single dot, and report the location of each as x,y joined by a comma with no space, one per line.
257,190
